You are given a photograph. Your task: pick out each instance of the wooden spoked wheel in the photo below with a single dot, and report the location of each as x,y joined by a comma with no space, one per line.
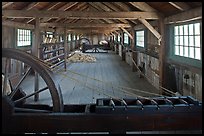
32,68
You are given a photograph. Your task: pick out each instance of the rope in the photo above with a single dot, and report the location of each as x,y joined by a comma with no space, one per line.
119,87
170,92
116,86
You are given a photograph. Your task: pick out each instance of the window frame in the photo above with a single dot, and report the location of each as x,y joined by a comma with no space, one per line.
145,39
126,44
182,59
24,46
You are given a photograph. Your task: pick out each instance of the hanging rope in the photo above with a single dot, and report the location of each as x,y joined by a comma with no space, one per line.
123,88
168,91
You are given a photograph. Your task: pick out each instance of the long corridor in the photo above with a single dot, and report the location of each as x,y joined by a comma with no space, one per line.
109,76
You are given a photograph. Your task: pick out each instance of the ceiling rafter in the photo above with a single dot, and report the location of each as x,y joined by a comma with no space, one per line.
50,7
29,7
63,8
66,7
79,14
6,4
124,7
100,9
180,5
81,6
143,6
106,8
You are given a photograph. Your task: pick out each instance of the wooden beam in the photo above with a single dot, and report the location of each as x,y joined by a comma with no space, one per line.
189,15
151,29
64,8
180,5
17,24
79,14
98,8
127,32
6,4
124,7
82,25
23,25
31,5
162,56
50,7
143,6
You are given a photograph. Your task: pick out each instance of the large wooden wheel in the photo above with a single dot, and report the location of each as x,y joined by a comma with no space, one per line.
33,65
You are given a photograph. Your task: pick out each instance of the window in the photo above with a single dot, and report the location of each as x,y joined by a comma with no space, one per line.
50,34
140,38
23,37
69,37
126,39
115,38
118,38
187,41
74,37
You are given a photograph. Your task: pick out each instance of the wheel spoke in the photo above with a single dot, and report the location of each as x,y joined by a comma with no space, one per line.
23,98
5,77
20,82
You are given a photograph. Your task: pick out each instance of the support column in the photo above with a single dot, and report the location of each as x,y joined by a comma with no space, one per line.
71,42
134,54
35,52
65,48
123,49
162,53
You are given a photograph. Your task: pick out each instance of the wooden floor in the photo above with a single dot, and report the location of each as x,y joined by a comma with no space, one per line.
112,73
83,83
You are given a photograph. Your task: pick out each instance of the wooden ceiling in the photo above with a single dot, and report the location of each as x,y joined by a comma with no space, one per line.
98,17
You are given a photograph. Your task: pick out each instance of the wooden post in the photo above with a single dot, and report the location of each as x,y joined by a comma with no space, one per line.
65,48
162,54
35,52
71,35
123,49
134,54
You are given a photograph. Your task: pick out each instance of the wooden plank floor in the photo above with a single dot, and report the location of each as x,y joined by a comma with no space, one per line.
84,87
108,68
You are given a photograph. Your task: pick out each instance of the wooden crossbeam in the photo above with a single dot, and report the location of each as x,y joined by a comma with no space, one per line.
6,4
79,14
143,6
189,15
17,24
127,33
180,5
82,25
149,26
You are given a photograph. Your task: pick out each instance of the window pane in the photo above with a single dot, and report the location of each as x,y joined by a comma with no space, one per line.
191,29
176,50
176,40
181,30
197,28
185,40
176,30
197,53
181,40
181,50
197,41
69,37
191,50
185,29
191,41
186,51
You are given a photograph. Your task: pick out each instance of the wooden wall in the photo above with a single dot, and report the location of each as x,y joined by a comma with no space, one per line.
8,37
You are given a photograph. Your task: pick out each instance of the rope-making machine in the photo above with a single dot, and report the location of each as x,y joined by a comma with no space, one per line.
19,115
